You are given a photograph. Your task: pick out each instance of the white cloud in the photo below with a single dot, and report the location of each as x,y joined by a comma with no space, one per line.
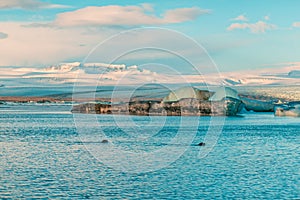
296,24
115,15
40,46
258,27
183,14
72,35
240,18
27,4
147,7
267,17
3,35
28,46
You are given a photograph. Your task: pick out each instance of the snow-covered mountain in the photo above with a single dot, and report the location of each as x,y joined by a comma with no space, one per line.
60,80
111,74
82,74
286,75
261,80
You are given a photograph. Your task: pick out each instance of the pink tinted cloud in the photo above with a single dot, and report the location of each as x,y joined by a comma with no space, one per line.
296,24
258,27
240,18
115,15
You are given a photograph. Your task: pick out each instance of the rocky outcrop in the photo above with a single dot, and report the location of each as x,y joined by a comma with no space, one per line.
227,106
92,108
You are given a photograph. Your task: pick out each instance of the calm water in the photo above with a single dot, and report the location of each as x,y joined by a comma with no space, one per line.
42,156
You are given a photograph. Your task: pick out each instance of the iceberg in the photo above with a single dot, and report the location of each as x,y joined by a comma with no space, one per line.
187,92
224,92
187,101
294,74
258,106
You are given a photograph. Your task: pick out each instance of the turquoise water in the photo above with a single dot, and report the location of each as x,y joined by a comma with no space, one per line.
42,155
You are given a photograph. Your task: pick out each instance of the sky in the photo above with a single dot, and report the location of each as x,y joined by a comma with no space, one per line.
236,34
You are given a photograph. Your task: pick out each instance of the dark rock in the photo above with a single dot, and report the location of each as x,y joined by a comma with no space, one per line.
201,144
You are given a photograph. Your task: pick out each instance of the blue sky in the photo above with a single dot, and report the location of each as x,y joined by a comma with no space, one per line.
238,35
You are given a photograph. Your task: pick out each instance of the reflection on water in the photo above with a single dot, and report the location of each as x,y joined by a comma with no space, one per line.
41,155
